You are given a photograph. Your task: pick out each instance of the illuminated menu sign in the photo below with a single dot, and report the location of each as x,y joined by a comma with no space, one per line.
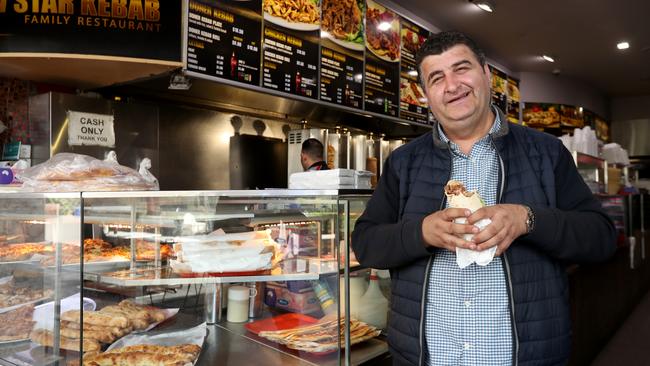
413,101
291,40
224,39
499,80
342,45
382,60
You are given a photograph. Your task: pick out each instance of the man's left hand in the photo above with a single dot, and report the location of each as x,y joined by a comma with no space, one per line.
508,223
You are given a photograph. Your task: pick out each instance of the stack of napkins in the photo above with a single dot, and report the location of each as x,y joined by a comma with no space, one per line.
219,252
323,179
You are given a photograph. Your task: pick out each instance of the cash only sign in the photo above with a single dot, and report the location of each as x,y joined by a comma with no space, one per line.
129,28
90,129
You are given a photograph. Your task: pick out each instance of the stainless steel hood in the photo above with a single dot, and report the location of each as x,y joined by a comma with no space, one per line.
258,102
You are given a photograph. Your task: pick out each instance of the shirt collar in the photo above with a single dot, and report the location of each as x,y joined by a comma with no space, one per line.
495,127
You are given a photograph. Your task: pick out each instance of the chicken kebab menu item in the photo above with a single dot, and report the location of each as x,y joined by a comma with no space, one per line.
341,63
290,46
413,101
382,60
224,39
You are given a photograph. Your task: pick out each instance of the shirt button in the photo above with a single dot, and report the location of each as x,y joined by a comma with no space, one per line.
467,346
468,303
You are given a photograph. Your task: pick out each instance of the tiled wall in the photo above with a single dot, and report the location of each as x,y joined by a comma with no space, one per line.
14,109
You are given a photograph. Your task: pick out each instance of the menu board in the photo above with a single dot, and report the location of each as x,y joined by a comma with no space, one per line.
413,101
341,61
513,100
224,39
571,117
382,60
499,81
602,128
290,46
542,116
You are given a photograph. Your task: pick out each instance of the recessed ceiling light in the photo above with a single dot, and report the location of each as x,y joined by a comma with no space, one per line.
484,5
548,58
623,45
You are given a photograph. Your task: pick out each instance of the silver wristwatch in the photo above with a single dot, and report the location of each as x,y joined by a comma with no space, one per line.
530,219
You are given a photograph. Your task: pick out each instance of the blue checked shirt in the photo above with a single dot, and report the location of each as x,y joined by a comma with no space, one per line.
467,314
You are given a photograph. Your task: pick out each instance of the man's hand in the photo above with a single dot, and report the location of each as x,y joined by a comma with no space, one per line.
440,231
508,223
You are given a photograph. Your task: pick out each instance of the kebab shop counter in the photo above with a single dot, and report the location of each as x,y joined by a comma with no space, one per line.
200,277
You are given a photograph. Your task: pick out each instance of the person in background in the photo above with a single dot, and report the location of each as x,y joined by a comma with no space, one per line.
311,155
515,310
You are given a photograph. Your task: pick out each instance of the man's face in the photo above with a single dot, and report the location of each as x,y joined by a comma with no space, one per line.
457,87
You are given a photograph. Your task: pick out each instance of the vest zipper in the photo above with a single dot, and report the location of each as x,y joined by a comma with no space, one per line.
425,284
506,266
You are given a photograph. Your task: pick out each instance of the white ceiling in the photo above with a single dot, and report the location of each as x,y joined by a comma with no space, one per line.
580,34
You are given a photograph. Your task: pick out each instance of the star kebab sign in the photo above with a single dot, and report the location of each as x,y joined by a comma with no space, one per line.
141,26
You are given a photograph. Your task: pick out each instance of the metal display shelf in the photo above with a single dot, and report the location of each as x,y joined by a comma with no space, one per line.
289,270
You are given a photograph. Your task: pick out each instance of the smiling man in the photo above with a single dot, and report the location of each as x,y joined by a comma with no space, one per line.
514,310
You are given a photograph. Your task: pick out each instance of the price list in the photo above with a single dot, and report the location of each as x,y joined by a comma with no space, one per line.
413,101
382,90
224,39
341,78
290,62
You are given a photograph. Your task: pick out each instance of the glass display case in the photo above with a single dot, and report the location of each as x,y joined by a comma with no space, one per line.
209,277
38,234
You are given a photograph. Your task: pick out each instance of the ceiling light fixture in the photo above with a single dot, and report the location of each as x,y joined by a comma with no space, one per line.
484,5
548,58
623,45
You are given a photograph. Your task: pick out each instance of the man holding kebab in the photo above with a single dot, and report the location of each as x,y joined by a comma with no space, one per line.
509,304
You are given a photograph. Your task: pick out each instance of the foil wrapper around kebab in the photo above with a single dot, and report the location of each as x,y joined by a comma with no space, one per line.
459,197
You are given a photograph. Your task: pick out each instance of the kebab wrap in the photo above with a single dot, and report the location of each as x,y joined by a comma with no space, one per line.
459,197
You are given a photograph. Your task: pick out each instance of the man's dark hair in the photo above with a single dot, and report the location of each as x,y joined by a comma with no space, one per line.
313,148
441,42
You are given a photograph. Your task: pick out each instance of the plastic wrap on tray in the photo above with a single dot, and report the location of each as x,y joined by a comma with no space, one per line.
75,172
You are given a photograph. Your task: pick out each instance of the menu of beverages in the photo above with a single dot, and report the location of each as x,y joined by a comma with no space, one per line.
341,63
382,60
290,47
413,101
224,39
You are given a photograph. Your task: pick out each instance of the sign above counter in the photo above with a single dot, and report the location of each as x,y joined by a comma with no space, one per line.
146,29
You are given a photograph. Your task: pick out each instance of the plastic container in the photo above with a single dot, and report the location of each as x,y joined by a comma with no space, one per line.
238,300
373,306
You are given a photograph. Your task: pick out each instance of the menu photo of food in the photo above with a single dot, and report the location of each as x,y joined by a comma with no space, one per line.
301,15
412,38
342,23
513,89
382,32
499,81
411,93
571,116
602,128
542,115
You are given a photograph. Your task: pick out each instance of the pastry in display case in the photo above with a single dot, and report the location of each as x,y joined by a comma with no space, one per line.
185,278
